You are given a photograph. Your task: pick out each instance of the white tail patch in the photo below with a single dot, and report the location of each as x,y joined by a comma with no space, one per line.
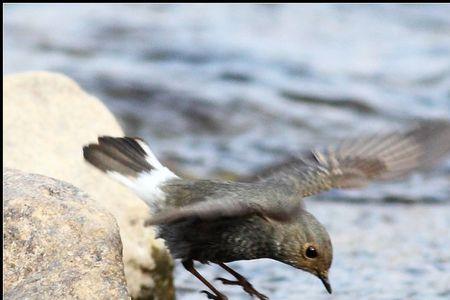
150,157
147,185
131,162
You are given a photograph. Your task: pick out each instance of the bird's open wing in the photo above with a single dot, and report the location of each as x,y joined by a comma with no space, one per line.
354,163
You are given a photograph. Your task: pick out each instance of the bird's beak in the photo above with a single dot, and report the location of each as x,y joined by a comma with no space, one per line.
324,278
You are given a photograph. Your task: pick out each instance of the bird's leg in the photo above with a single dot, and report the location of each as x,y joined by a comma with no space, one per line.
240,280
189,265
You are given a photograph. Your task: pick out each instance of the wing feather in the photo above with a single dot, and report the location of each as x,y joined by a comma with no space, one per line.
232,199
354,163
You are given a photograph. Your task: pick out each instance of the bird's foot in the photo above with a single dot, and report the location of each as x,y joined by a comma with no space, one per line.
217,296
247,286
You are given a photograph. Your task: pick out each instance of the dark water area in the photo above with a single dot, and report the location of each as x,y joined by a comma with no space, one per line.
221,91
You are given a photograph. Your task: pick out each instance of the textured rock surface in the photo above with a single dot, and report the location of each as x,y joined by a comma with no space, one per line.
47,120
58,243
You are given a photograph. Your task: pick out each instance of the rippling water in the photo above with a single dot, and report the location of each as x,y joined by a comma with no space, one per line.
223,90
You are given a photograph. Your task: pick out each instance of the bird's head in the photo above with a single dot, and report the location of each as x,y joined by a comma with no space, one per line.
306,245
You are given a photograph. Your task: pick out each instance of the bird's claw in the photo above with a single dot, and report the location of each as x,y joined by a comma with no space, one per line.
214,296
247,286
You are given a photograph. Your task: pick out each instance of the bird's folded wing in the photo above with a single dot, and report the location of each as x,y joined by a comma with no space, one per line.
354,163
235,203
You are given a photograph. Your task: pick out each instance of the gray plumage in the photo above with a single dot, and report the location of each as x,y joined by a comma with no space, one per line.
217,221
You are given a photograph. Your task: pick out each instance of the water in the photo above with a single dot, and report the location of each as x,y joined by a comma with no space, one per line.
223,90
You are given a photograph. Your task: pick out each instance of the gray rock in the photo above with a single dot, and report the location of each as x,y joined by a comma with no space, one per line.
47,120
58,243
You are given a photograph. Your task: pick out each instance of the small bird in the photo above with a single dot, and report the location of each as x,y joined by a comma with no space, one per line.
212,221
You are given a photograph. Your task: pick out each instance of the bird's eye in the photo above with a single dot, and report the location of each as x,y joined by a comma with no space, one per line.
311,252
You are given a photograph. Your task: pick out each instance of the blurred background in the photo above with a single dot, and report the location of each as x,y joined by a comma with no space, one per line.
220,91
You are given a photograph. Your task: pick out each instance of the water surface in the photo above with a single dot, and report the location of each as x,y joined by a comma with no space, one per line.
220,91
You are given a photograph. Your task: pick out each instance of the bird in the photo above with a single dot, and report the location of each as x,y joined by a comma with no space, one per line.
213,221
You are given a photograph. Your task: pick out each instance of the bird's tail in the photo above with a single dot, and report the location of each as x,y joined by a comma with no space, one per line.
131,162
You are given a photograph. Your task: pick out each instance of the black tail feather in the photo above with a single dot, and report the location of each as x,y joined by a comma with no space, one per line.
122,155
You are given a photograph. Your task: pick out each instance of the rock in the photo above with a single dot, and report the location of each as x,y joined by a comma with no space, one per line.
47,120
58,243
